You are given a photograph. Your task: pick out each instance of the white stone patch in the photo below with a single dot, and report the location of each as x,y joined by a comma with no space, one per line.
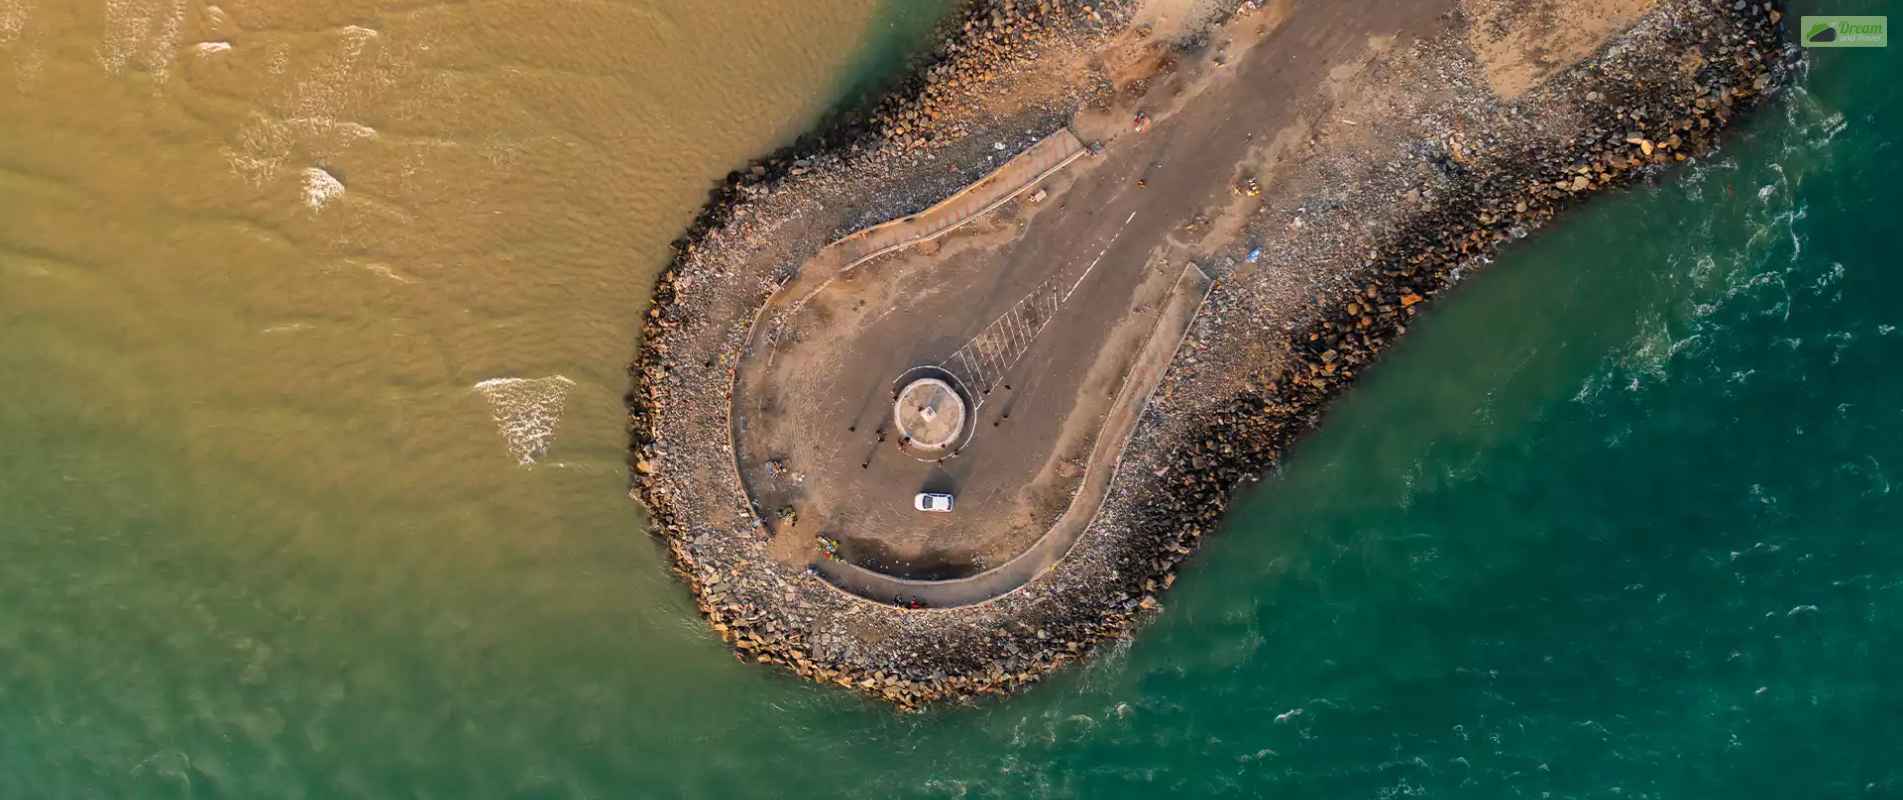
526,411
320,188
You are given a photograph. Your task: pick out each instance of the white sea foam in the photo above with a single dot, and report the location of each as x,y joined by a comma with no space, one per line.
526,411
173,765
310,118
1831,125
383,270
1650,354
1830,278
1618,437
14,15
1592,386
1757,277
261,149
320,188
141,35
20,39
342,131
1256,756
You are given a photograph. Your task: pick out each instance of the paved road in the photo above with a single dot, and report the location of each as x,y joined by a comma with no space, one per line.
1171,327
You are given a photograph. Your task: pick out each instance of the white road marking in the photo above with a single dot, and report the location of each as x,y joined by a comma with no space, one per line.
989,355
1080,278
1000,330
988,347
1093,262
977,363
966,360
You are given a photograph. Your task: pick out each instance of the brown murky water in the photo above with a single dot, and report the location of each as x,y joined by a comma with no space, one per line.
315,318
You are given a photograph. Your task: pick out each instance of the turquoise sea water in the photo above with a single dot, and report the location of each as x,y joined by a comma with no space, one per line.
1620,519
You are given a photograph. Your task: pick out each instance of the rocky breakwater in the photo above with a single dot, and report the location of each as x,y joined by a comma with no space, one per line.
1660,99
1486,171
983,52
987,83
948,91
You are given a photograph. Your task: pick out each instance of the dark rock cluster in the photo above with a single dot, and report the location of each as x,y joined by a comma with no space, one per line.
967,66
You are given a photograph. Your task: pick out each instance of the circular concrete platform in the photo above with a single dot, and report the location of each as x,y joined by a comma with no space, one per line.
929,414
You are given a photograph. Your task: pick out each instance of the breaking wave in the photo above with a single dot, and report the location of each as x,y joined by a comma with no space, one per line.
526,411
1741,265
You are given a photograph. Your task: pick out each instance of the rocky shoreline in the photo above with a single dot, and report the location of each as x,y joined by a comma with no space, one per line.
1400,233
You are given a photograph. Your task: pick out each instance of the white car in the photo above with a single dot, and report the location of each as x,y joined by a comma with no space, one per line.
933,501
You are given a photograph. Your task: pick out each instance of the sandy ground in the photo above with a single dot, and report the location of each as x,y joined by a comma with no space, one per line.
1521,42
